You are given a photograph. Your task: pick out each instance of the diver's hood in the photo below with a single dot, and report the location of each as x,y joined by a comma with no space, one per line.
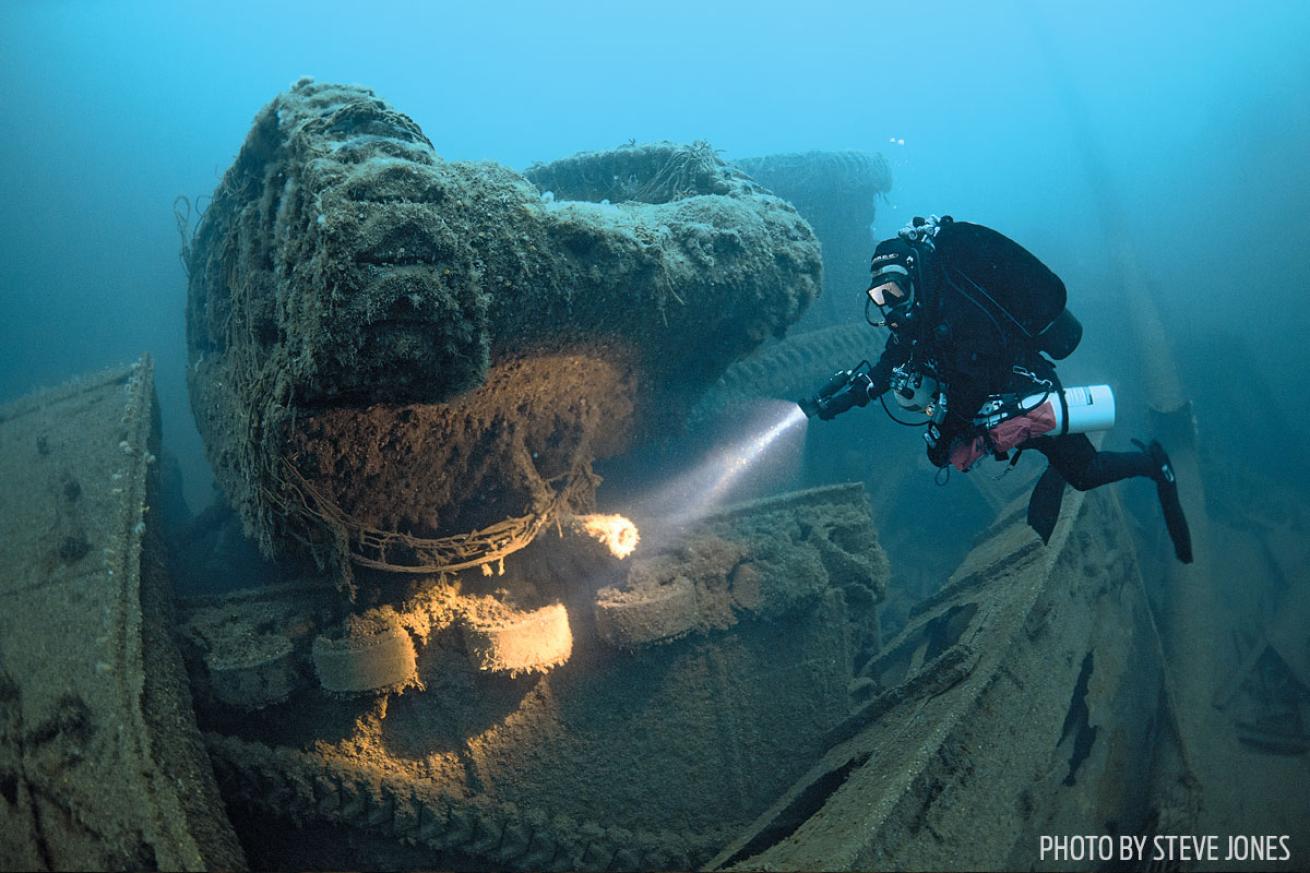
893,259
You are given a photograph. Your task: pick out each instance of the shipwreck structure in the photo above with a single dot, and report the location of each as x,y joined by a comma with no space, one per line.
731,652
388,348
721,700
742,654
102,766
405,368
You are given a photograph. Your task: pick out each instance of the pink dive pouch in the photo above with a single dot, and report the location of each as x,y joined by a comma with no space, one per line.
1003,437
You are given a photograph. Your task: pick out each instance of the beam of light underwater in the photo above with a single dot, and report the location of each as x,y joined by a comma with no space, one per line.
775,441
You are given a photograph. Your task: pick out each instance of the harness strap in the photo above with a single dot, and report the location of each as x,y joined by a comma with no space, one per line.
1064,406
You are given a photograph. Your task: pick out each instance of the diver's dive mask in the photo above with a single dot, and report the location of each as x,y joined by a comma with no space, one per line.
893,293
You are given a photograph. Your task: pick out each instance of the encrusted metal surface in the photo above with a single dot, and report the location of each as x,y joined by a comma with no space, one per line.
101,765
532,737
1019,697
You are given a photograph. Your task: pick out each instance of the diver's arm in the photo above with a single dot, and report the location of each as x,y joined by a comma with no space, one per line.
893,355
855,387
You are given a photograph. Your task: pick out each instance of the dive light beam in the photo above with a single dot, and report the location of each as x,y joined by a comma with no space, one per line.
696,493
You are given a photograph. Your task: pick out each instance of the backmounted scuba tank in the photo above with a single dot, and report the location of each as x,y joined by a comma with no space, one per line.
1059,338
1008,282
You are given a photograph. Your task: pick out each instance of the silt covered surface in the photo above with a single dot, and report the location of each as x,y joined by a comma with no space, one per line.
646,746
429,343
101,763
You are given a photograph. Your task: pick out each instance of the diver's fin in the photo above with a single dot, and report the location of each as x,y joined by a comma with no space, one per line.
1044,505
1166,485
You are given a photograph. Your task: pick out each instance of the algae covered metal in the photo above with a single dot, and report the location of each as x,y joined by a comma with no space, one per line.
722,698
671,720
101,764
432,346
1014,704
405,368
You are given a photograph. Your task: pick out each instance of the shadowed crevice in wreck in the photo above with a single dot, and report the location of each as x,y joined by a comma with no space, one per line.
1077,730
808,802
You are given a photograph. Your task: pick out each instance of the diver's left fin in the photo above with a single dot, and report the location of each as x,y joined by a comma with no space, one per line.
1166,486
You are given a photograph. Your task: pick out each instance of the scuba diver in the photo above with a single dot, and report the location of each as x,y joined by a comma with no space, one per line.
977,322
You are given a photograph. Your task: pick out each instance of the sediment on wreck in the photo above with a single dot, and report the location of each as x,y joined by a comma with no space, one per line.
646,746
1011,705
101,764
437,346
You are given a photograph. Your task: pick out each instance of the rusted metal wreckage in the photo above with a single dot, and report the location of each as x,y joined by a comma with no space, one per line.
520,697
721,701
101,764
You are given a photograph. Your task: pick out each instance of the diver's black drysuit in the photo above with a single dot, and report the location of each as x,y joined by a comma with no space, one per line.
976,355
973,367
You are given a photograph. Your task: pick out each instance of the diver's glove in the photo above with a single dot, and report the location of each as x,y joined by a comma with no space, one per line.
845,389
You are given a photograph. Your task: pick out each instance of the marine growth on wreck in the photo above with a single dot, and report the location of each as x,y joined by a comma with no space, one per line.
504,622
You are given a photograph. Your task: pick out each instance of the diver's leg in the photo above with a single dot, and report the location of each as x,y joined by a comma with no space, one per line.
1083,467
1044,504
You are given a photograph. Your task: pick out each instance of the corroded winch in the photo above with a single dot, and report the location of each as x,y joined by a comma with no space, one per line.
388,349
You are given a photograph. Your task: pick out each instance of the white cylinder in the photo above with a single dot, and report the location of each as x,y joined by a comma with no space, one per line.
1091,408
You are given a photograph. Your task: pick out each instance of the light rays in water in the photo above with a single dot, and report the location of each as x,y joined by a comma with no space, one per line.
765,458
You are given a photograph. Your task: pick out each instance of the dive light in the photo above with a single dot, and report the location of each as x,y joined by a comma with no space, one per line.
845,388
